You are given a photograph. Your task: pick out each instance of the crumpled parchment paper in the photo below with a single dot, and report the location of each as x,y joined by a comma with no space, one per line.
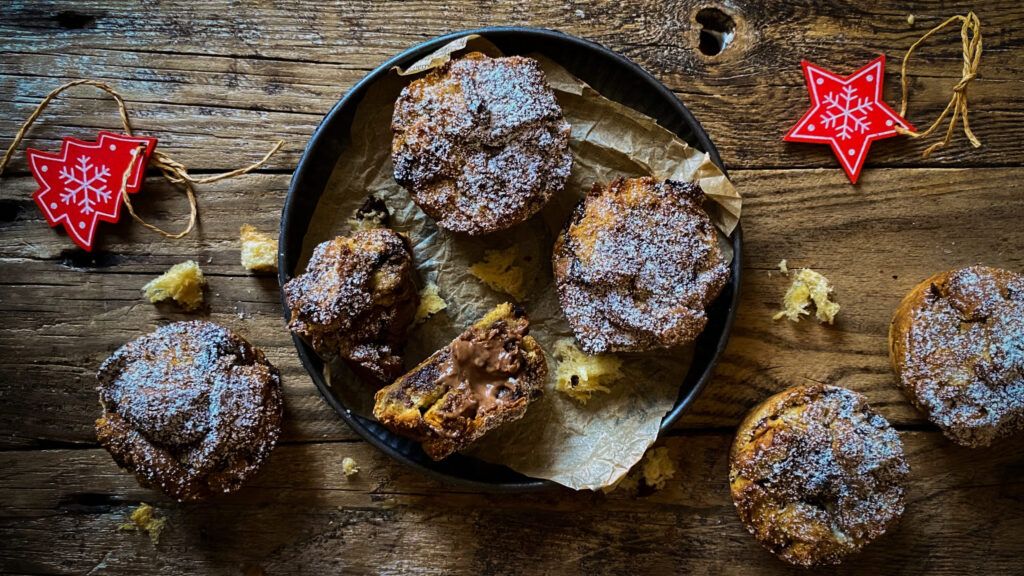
582,447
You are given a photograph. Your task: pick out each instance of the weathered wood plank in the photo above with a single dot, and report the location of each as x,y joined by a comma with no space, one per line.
200,76
218,82
659,32
255,199
964,515
65,315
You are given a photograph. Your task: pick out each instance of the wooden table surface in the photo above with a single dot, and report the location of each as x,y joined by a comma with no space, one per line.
218,81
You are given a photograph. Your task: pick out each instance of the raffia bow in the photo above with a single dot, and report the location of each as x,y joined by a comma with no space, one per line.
172,170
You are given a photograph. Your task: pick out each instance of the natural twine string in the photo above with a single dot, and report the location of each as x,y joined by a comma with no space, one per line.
172,170
970,35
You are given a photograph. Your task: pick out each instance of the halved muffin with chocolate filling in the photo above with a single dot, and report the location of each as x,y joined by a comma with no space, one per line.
483,379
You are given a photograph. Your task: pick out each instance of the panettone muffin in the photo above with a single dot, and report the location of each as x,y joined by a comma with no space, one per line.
486,377
815,474
356,300
193,409
637,264
957,345
480,143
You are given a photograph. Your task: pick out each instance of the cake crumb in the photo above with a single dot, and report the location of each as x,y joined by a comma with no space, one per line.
430,303
657,468
910,19
348,466
579,375
809,287
372,214
499,271
783,267
145,520
654,470
182,283
259,250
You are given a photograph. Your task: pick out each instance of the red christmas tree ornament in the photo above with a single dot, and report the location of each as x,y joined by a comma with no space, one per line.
82,185
847,113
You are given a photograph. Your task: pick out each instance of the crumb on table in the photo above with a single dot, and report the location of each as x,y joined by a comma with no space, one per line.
349,467
372,214
182,283
783,267
259,250
144,519
579,375
499,271
657,468
430,303
654,470
809,287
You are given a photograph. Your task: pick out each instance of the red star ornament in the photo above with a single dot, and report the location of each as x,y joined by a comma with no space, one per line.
848,113
82,185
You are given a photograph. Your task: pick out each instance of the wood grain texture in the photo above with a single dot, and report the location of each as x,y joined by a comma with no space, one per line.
198,75
302,516
218,81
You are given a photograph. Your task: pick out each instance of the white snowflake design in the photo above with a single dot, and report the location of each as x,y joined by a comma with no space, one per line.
847,112
91,186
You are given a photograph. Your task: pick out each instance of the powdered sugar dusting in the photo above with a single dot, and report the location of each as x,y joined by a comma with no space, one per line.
357,299
637,264
192,408
959,351
816,474
481,143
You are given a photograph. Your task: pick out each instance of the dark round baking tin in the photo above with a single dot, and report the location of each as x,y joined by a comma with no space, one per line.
612,75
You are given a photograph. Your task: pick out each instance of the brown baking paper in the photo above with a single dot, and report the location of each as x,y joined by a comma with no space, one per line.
582,447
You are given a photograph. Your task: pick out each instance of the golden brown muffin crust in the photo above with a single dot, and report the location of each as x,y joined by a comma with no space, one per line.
480,143
356,300
815,474
486,377
637,264
193,409
956,343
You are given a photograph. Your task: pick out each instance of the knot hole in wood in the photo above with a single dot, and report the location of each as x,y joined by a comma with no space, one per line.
716,32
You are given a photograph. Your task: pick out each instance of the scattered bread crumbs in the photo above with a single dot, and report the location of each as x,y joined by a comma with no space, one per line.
144,519
499,271
348,466
657,468
783,268
430,303
808,288
372,214
910,19
580,375
654,471
259,250
183,283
